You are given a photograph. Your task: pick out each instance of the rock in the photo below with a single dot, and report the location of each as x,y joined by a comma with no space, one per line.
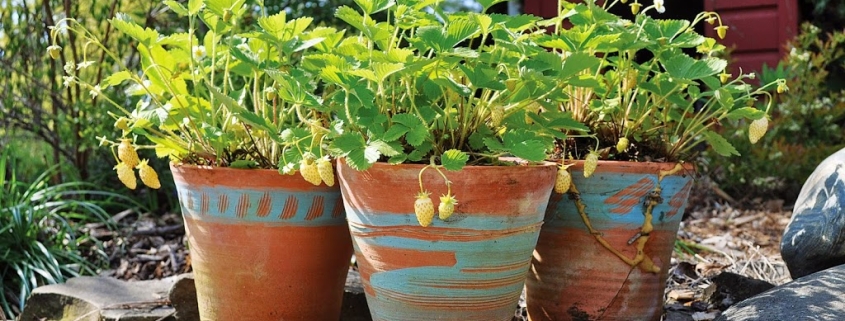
101,298
729,288
815,237
817,296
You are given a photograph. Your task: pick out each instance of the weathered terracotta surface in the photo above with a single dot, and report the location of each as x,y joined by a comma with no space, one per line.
264,246
470,267
573,277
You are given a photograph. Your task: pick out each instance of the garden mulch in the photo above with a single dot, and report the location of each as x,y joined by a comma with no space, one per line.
718,234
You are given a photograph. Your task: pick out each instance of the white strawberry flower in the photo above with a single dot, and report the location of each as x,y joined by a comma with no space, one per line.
658,5
198,52
95,91
84,64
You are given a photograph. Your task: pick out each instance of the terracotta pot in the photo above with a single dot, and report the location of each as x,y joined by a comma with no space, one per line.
470,267
574,277
264,246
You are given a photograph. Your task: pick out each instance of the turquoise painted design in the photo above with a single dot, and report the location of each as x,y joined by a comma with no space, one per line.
620,205
266,205
477,277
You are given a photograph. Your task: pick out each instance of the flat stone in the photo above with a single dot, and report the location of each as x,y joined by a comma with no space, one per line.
101,298
814,240
818,295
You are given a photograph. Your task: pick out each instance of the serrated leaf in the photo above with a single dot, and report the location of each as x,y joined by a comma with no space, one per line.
416,135
745,113
386,149
398,159
531,150
383,70
493,144
176,7
358,160
685,67
395,132
294,28
118,78
454,159
373,6
576,63
194,6
275,24
720,145
125,24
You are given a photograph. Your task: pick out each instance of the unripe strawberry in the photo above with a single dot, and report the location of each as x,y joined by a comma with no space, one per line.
635,7
782,88
721,31
148,175
270,93
711,20
563,180
308,170
532,108
424,209
126,153
54,51
497,113
122,123
622,144
324,168
757,129
724,77
590,163
126,175
227,15
447,206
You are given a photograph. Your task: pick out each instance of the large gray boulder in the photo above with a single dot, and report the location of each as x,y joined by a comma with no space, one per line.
814,240
816,297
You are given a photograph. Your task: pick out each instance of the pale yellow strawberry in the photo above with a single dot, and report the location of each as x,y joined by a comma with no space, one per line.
126,153
55,51
497,113
148,175
122,123
126,175
446,207
563,180
635,7
590,164
721,31
324,168
424,209
757,129
622,144
308,170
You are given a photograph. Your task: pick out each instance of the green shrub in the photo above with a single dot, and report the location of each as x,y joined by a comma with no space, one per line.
806,124
39,243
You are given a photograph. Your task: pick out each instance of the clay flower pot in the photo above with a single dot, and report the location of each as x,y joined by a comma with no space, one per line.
264,246
574,277
471,266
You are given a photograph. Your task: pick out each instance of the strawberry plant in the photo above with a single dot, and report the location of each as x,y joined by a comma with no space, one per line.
442,89
223,93
643,96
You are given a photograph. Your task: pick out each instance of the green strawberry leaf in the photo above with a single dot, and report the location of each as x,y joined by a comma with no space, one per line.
454,159
720,144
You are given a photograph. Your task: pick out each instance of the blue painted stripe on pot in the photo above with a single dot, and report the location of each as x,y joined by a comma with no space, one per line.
461,286
627,209
272,206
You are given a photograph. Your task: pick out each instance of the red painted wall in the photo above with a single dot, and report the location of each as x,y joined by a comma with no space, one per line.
758,29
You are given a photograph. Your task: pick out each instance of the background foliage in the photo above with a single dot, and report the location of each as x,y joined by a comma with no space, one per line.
806,127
